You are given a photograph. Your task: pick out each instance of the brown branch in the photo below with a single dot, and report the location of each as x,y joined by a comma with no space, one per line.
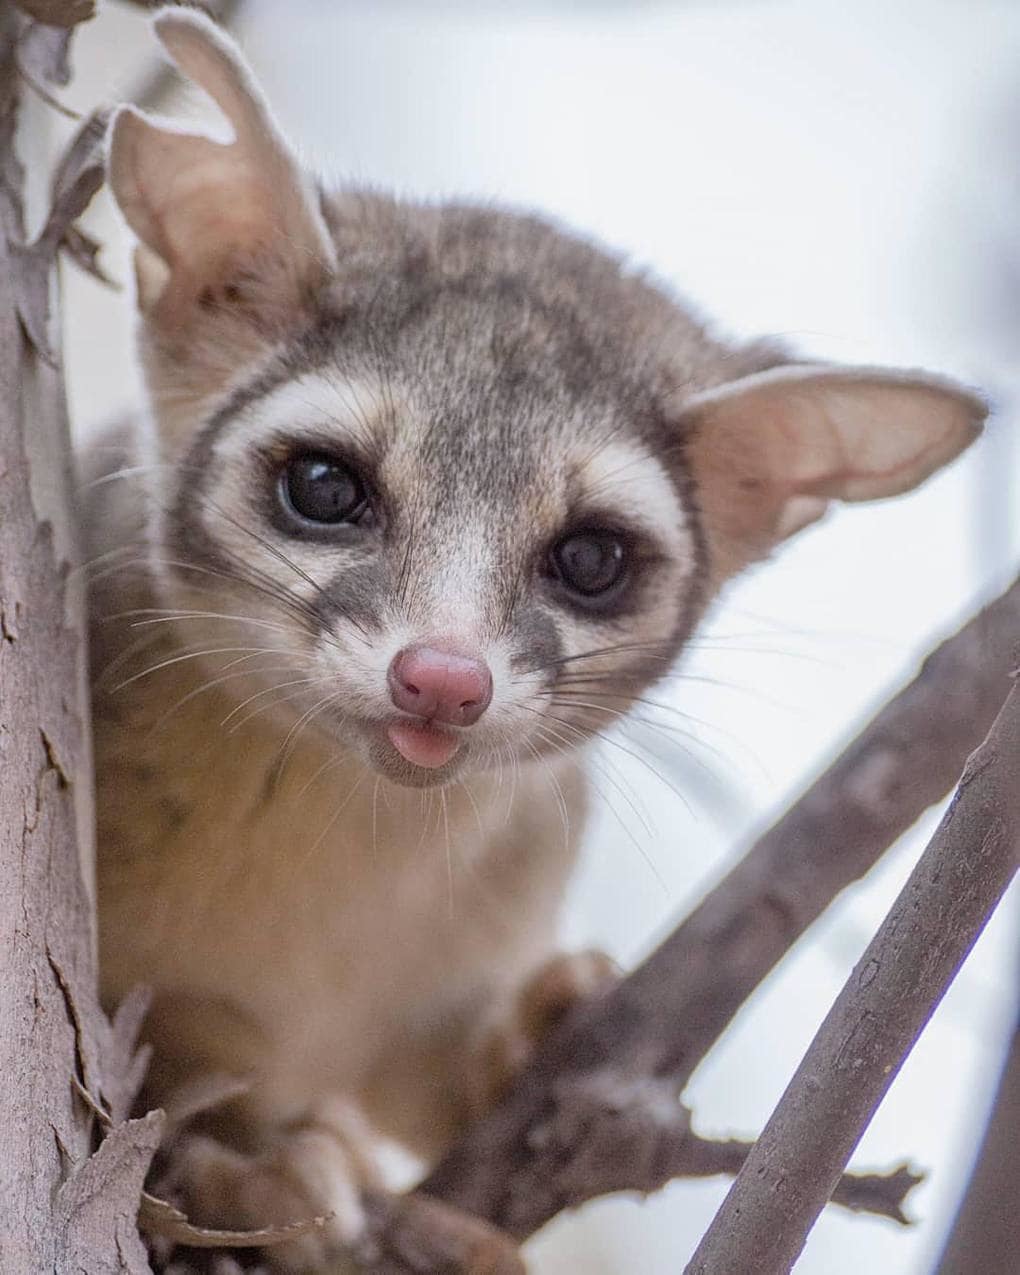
415,1234
882,1194
662,1020
867,1035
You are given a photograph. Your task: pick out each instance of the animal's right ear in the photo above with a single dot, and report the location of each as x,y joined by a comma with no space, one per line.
234,225
768,452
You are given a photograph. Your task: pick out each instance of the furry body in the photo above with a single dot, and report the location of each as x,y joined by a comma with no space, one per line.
201,899
318,952
379,432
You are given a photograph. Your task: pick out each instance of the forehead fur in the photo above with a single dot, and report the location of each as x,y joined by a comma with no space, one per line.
440,294
478,311
516,289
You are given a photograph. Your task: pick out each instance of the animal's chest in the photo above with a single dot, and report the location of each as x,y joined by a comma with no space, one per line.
333,927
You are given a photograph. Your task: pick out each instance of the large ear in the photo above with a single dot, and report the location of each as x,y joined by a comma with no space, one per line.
768,452
216,219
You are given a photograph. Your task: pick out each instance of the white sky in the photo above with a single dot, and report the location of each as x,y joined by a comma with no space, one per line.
845,175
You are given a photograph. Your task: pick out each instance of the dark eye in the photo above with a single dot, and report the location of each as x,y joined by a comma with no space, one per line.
590,562
322,488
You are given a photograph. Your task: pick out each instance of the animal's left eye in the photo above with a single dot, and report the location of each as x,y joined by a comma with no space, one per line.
589,563
321,488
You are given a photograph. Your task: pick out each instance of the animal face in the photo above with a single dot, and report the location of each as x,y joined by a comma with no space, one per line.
466,532
471,480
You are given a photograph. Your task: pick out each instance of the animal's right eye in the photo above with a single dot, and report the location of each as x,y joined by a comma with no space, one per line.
589,563
320,488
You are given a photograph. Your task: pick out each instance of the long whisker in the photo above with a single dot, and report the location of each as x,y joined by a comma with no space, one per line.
329,764
375,816
165,615
678,676
248,576
579,737
557,791
449,852
214,682
279,555
140,644
668,730
474,805
269,690
511,786
615,743
335,816
619,648
290,741
270,704
252,651
558,744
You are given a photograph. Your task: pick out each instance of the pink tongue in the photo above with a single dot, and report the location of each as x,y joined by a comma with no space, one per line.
422,745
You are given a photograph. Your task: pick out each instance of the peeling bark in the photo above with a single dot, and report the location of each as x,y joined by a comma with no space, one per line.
68,1196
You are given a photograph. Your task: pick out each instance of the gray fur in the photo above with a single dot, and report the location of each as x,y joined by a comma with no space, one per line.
304,916
513,343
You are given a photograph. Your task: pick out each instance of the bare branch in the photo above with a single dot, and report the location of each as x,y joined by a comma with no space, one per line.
859,1049
883,1194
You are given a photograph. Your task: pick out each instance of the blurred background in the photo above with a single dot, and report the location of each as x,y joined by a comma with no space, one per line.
846,177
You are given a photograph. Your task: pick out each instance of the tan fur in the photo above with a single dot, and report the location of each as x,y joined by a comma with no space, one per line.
359,966
308,918
206,878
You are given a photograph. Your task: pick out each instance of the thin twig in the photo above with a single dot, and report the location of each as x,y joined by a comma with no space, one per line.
881,1194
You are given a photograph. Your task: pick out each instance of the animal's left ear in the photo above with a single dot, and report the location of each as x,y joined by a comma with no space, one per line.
768,452
235,222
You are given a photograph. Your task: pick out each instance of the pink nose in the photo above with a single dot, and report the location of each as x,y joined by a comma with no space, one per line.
440,686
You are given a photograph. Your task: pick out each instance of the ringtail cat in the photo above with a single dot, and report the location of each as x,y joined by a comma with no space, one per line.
423,496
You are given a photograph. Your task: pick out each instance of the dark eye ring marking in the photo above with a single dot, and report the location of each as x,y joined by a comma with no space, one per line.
591,564
317,488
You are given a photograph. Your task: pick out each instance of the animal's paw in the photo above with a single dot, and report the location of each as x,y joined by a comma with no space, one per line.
313,1169
506,1041
416,1232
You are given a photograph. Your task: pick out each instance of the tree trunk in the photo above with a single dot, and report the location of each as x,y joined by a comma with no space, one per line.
64,1205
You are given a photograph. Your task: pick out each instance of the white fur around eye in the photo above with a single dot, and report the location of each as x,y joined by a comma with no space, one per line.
337,414
332,407
625,476
332,414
